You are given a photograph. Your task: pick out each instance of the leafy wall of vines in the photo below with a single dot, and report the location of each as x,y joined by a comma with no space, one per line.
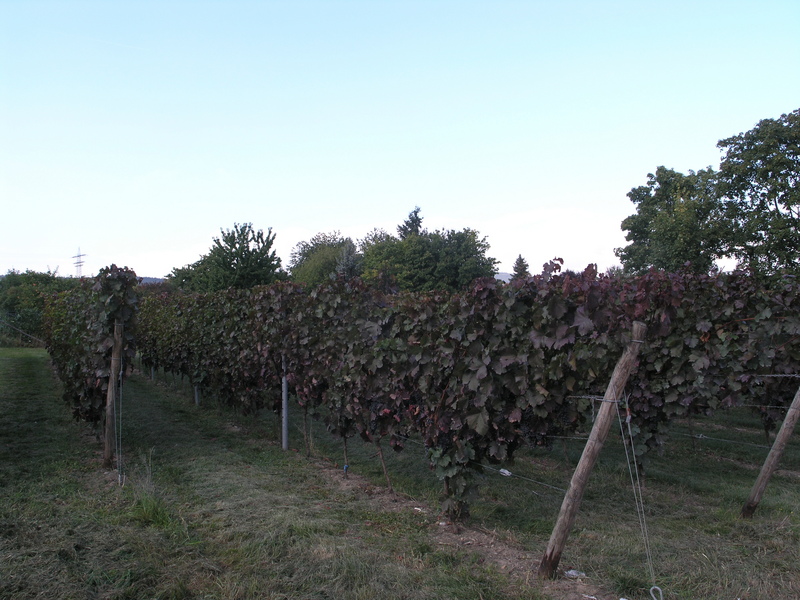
479,373
79,326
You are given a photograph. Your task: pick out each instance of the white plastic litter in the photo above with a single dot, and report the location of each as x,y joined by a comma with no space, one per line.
573,574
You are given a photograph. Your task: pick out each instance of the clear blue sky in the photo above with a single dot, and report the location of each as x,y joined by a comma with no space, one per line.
136,130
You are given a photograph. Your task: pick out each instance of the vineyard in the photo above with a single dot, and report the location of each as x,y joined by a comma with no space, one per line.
472,378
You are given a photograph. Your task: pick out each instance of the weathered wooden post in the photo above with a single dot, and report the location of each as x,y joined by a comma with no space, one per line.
600,429
773,458
111,396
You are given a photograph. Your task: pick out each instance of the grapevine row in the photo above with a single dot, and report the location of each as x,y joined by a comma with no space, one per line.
479,373
79,325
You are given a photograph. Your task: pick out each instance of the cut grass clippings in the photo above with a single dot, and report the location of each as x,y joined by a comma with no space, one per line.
211,507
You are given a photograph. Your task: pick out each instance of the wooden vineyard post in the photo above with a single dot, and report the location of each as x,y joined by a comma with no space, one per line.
111,396
284,406
773,458
600,429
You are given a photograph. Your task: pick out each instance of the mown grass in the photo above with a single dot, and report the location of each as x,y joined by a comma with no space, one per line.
692,492
212,508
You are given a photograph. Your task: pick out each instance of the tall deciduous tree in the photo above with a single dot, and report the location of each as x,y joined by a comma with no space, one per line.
749,210
759,182
239,258
675,223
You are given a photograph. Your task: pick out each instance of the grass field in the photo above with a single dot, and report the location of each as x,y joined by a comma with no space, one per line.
211,507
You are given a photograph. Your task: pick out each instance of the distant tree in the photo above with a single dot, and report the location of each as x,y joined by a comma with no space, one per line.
239,258
22,299
419,260
378,259
192,278
675,223
324,255
373,238
411,226
349,263
759,183
520,268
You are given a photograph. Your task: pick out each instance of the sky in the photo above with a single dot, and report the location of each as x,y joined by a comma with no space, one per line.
134,132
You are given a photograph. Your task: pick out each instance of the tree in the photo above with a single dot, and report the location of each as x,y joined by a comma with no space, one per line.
520,268
324,255
419,260
759,183
675,223
349,263
748,210
239,258
411,226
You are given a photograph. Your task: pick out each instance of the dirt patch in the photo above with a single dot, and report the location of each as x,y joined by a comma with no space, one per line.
504,554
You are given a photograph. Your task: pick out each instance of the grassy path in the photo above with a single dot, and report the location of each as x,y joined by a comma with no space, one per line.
211,507
208,510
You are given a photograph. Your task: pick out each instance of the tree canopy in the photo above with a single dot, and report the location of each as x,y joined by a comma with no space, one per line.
324,255
673,226
239,258
749,210
420,260
414,260
759,186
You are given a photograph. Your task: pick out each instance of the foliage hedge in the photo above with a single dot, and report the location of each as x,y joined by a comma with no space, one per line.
476,374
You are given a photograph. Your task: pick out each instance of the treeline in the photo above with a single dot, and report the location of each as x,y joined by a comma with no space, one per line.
414,260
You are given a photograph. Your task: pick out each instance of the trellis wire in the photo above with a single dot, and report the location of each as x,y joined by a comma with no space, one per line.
701,436
503,472
636,484
17,329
